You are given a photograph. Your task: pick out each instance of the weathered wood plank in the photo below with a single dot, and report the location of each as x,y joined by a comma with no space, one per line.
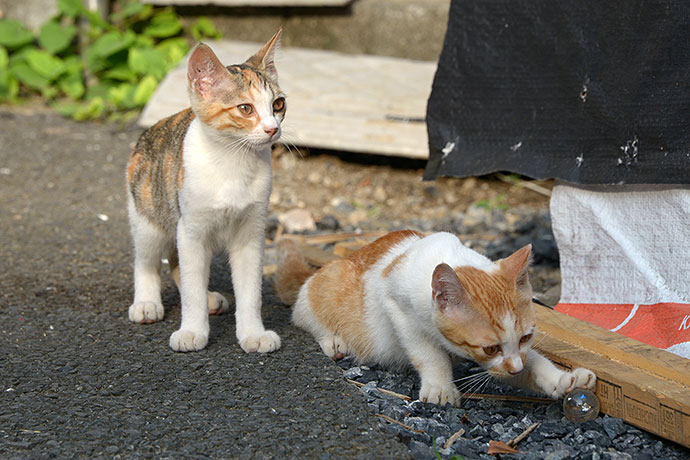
367,104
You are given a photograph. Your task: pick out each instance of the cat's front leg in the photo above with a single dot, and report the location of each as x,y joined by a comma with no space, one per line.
246,256
195,261
435,370
542,375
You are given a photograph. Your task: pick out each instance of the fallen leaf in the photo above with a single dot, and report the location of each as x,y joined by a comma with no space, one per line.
500,447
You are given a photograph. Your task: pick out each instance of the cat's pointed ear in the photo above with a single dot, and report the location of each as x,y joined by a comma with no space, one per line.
514,267
446,288
204,71
264,59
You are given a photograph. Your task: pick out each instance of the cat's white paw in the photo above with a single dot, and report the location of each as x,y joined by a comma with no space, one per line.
439,394
578,378
217,304
186,340
146,312
263,342
334,347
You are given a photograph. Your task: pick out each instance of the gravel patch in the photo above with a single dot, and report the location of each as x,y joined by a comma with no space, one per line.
484,420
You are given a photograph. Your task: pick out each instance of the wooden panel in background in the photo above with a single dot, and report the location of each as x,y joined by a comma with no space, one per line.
353,103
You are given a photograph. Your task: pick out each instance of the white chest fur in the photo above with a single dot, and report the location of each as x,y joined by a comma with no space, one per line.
220,176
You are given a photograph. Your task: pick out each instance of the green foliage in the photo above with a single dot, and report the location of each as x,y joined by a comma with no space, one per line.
204,28
13,34
107,67
496,203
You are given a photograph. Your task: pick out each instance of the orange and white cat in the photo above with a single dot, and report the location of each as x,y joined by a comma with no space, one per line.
409,299
200,181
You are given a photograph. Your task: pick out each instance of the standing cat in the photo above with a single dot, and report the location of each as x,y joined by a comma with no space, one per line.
199,181
406,298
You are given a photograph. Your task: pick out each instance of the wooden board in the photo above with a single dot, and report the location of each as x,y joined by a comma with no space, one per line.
354,103
646,386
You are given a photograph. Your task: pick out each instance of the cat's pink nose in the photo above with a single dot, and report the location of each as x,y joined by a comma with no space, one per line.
271,131
514,371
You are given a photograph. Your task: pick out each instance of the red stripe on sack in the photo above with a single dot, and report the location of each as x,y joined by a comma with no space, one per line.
660,325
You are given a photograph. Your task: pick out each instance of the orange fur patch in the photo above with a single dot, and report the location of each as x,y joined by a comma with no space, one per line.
336,292
391,266
293,270
336,296
133,166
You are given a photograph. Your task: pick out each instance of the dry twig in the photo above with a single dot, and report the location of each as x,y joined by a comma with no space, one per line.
454,437
523,435
514,398
382,390
392,420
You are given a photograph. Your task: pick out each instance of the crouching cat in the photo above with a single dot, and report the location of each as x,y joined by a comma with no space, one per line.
199,181
409,299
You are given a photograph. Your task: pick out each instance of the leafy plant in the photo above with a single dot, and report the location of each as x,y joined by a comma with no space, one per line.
108,66
491,204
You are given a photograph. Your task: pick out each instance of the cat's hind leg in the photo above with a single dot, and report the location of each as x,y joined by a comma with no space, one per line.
150,245
217,303
334,347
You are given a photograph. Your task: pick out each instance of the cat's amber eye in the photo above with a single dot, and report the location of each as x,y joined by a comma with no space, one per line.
492,350
245,109
526,338
279,104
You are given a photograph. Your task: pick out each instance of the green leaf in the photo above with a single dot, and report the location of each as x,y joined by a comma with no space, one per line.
54,37
4,58
49,92
93,109
71,8
163,25
174,49
13,34
144,41
204,28
144,90
122,96
45,64
66,109
72,85
106,46
9,86
73,65
28,76
99,90
121,72
147,61
129,10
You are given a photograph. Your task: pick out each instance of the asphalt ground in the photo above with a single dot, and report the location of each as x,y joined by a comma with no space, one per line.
78,380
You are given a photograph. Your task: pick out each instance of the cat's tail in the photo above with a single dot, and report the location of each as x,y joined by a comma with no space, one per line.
292,271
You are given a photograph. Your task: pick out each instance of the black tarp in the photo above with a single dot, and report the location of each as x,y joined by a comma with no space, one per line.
592,92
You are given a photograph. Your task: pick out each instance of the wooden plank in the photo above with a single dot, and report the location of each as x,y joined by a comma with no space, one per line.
366,104
646,386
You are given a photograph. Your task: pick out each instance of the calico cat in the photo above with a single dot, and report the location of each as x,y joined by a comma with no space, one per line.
409,299
199,181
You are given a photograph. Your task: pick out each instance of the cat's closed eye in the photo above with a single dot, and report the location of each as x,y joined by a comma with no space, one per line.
246,109
279,104
492,350
526,338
